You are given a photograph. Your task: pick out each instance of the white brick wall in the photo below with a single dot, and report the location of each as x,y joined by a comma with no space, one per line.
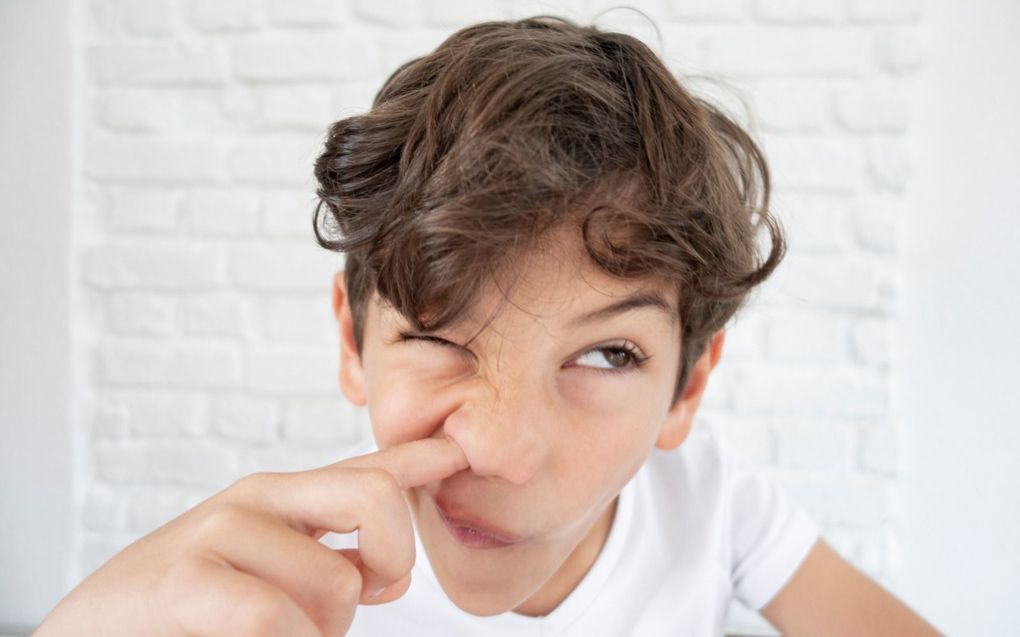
207,349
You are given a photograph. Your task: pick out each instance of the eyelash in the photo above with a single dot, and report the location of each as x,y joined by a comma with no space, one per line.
637,359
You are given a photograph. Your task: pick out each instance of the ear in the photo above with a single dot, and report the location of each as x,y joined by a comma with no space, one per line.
677,425
352,373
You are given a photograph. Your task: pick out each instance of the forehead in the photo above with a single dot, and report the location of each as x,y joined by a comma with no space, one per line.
553,282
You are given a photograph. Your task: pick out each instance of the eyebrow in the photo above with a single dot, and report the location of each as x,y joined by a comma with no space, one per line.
635,301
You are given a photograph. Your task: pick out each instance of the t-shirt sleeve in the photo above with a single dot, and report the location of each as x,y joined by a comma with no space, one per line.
771,534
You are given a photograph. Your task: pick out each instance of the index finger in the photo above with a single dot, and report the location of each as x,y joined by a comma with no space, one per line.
413,463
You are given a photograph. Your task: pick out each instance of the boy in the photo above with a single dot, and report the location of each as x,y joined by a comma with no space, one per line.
545,235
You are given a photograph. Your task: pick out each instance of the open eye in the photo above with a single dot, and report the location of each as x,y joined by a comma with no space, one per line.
622,358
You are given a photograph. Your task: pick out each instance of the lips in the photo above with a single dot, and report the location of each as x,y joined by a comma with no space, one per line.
482,533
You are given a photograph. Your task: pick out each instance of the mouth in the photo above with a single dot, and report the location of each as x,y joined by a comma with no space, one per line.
471,531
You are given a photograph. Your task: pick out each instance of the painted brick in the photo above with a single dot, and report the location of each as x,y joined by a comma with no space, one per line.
874,107
154,64
683,49
213,314
751,438
805,280
885,11
288,213
225,15
806,337
137,109
107,420
813,222
140,314
273,163
828,446
160,413
221,212
325,420
874,555
151,508
177,266
800,11
815,163
103,509
356,95
185,463
282,267
337,56
899,52
889,164
879,450
851,501
291,456
150,17
313,13
745,337
815,391
296,107
304,320
732,98
246,418
791,51
400,13
98,20
292,371
399,46
449,14
152,160
142,209
710,10
875,223
718,395
789,105
153,363
870,341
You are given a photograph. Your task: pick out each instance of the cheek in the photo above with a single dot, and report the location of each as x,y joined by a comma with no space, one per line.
610,405
402,409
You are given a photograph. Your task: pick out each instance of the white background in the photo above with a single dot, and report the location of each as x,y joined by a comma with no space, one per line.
909,464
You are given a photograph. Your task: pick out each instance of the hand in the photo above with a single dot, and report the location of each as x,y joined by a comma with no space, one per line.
247,561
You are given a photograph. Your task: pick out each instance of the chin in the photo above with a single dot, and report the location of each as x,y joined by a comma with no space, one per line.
478,586
479,604
484,587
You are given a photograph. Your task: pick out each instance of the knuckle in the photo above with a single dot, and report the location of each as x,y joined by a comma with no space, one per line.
381,483
220,521
253,482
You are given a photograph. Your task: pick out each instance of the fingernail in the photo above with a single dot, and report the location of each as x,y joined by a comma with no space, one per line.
375,593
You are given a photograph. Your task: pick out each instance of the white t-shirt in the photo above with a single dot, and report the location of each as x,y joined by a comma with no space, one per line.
693,528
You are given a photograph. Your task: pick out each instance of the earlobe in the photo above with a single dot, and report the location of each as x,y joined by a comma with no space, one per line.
352,374
675,430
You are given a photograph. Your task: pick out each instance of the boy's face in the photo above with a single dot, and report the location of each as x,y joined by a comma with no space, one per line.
554,426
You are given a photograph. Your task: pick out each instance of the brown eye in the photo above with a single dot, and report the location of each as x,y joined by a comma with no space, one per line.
618,357
621,358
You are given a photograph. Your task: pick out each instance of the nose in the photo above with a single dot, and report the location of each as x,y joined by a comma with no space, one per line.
503,433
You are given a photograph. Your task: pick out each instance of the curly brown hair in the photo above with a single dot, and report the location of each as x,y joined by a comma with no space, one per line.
509,129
